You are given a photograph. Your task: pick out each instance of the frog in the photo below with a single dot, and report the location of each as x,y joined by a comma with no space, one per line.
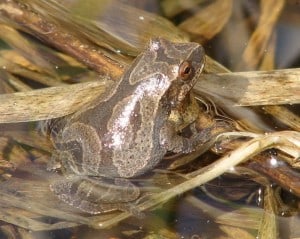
126,131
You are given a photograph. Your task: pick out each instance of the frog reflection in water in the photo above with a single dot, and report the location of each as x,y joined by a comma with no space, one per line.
127,131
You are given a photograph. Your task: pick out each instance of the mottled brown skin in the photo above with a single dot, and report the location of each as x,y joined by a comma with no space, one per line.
126,132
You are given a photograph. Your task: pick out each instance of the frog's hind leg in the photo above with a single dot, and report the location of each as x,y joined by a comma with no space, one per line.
94,196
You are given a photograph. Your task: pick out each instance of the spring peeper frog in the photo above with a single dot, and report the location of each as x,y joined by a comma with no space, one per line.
126,132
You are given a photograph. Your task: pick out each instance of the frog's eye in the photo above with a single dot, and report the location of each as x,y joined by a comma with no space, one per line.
185,70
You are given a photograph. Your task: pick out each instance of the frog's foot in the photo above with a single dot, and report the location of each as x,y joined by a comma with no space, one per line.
94,196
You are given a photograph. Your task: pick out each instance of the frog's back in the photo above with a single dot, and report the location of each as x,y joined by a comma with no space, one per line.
128,121
128,131
120,134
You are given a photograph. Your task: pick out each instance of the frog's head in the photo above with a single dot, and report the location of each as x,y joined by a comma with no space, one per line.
169,69
182,63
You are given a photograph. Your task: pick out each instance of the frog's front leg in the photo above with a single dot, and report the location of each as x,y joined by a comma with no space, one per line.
179,144
96,195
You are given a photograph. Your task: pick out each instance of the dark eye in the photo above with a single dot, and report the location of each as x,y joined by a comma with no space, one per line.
185,70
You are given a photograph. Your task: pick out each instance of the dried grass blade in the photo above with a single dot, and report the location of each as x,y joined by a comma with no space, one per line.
18,65
133,34
15,12
270,12
25,48
13,81
173,7
253,88
209,20
48,103
285,116
268,226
